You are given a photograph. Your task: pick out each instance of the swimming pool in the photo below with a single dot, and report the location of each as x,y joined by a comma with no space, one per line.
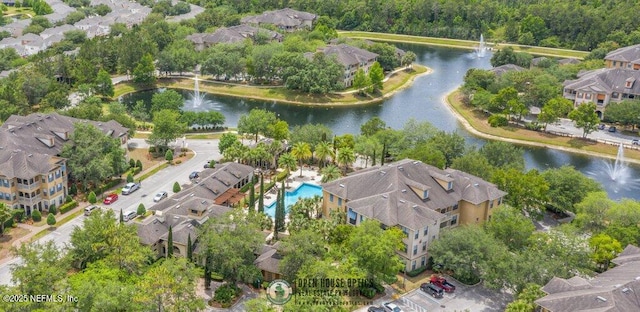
305,190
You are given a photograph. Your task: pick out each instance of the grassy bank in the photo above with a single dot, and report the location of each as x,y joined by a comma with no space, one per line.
477,120
463,44
396,82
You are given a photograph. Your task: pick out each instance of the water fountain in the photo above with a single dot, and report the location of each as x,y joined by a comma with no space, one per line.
196,97
618,170
481,50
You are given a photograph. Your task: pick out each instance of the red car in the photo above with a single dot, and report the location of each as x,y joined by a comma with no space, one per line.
110,199
442,283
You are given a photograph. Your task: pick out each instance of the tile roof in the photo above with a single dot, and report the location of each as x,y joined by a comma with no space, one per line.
388,193
614,290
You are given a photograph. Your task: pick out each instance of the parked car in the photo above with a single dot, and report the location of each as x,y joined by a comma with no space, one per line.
635,142
442,283
110,199
375,309
601,126
392,307
130,188
129,215
160,196
89,210
612,129
433,290
194,175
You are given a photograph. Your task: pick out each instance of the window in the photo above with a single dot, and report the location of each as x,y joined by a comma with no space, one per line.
50,177
59,186
615,95
426,194
423,261
454,220
424,246
490,204
500,201
580,94
449,185
417,235
413,265
331,198
415,250
405,247
361,218
404,230
426,230
352,215
587,96
444,224
339,201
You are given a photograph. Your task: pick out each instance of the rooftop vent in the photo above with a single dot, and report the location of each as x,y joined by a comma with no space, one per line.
385,196
191,194
416,162
383,172
178,206
400,168
626,290
341,185
404,190
203,202
176,217
600,298
414,206
402,201
476,184
30,155
189,225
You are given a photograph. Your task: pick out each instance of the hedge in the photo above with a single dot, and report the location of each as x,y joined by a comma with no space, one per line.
108,185
9,223
416,272
68,206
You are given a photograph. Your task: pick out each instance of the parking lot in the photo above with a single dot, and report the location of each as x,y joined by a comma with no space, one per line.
465,298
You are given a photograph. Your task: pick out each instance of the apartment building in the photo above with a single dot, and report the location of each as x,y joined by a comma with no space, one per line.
417,198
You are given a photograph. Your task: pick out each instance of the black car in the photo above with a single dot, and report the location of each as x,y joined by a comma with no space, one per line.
194,175
375,309
601,126
432,290
612,129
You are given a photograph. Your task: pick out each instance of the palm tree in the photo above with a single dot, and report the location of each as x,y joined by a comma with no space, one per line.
324,150
287,162
346,156
330,173
301,151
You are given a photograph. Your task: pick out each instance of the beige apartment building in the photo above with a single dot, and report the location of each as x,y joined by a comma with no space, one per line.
417,198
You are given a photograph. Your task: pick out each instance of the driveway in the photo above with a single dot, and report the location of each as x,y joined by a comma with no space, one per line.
568,126
161,181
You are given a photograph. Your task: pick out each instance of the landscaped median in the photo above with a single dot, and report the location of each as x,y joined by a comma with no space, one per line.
475,122
458,43
398,81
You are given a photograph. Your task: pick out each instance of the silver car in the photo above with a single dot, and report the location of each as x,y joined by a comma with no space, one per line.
130,188
160,196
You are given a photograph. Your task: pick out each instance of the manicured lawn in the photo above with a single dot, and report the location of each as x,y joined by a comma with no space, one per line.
278,93
17,11
478,121
457,43
6,240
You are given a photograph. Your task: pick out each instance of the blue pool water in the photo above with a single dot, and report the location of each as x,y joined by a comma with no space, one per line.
303,191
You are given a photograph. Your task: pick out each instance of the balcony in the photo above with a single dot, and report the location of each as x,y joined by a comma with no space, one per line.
32,186
30,200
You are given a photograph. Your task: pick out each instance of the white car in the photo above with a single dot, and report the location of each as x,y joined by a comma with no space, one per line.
160,196
130,188
392,307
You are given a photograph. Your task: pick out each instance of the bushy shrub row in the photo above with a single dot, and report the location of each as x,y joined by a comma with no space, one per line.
416,272
498,121
68,206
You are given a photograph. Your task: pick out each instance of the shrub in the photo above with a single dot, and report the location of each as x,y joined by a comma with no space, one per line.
53,209
51,220
177,162
176,187
132,163
68,206
225,294
282,175
73,190
137,170
19,215
36,215
498,120
141,210
8,223
129,177
416,272
108,185
168,156
92,198
212,164
68,199
152,149
139,164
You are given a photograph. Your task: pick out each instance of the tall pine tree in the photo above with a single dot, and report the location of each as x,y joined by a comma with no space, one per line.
276,224
189,248
170,243
121,217
207,271
252,197
261,198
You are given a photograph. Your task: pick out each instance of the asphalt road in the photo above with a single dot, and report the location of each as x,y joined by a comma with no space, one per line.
163,180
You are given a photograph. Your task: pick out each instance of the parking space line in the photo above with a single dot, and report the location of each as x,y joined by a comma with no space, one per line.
413,305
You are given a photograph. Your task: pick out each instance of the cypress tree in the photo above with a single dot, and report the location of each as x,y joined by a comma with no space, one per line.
207,271
261,198
276,224
189,248
384,152
121,216
252,197
170,243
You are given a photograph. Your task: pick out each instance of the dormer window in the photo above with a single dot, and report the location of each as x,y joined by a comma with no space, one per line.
449,185
425,194
629,83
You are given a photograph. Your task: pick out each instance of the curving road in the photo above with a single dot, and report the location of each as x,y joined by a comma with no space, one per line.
163,180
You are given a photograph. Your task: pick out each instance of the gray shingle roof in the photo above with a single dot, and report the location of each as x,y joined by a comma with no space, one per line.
614,290
21,164
214,182
605,80
231,35
284,18
387,193
349,55
500,70
269,259
626,54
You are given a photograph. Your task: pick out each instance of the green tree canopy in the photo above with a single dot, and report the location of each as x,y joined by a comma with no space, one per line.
256,122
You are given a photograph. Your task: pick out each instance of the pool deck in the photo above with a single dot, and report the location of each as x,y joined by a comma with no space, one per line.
310,175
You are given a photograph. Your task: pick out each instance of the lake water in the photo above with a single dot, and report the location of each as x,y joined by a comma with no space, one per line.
422,101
